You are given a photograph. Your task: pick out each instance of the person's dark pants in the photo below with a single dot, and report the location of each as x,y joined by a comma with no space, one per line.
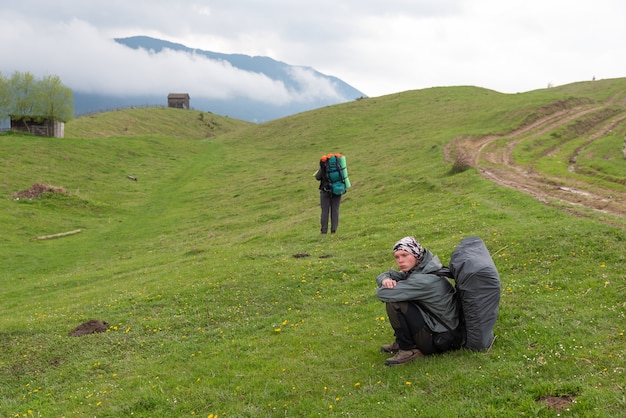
330,206
412,332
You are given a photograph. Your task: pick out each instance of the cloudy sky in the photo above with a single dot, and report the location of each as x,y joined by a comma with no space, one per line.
378,47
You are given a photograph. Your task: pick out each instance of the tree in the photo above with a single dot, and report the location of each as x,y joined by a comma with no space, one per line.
54,100
24,97
4,98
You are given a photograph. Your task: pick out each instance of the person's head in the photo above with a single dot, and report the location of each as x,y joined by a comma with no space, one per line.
408,253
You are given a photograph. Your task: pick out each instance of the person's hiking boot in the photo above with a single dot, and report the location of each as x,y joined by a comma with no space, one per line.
390,348
403,357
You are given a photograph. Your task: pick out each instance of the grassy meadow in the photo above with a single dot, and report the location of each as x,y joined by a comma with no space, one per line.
209,312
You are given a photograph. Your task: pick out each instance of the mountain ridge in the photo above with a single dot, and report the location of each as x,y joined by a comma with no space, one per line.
246,108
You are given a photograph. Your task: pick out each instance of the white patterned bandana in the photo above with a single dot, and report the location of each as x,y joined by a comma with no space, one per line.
410,245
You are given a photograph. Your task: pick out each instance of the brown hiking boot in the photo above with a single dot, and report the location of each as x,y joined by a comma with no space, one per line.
403,357
390,348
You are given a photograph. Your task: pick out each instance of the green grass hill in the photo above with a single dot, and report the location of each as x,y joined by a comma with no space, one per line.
196,238
152,121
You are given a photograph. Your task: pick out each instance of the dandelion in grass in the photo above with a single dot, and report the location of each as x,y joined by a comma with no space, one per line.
357,384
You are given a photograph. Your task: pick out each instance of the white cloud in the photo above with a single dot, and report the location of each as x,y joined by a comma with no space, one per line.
312,87
377,47
78,52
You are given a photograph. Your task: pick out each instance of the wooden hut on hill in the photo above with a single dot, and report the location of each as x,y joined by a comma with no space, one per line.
178,100
51,128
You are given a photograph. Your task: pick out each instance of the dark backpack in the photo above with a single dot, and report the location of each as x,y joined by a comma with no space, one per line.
477,285
335,173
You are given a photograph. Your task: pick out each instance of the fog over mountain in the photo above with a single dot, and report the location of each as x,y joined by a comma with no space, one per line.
251,88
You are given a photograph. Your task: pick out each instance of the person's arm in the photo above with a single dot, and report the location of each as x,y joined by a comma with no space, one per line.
415,286
392,275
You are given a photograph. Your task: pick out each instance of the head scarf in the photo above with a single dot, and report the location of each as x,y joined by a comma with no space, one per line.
410,245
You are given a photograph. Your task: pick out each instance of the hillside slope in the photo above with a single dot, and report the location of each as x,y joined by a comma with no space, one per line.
572,123
563,146
571,141
152,121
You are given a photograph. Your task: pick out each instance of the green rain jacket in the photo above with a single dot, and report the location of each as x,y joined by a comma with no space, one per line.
435,293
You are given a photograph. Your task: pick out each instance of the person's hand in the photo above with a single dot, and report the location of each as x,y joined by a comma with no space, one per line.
388,283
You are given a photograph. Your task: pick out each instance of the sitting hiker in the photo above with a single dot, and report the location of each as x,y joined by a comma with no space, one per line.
421,306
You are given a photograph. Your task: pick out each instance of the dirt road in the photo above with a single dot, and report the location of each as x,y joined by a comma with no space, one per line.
492,155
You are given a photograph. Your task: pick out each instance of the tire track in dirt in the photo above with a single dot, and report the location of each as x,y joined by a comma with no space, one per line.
492,156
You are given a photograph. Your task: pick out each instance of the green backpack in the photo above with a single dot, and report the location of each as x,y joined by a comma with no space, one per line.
335,173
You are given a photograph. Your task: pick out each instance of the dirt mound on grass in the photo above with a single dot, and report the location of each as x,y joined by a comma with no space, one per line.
89,327
559,403
37,190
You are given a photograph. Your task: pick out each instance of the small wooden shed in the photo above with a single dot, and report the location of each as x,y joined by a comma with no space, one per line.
51,128
178,100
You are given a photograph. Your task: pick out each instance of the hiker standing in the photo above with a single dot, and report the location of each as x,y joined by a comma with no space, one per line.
333,179
421,306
